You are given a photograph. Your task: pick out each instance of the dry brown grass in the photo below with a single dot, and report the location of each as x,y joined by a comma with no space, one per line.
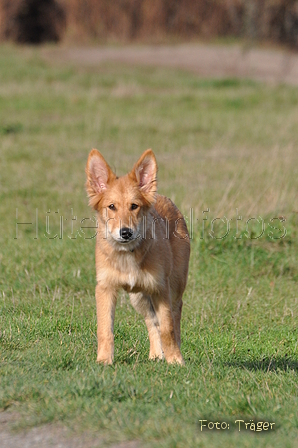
148,20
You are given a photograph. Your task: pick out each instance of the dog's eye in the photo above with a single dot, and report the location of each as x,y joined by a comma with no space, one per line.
134,206
112,207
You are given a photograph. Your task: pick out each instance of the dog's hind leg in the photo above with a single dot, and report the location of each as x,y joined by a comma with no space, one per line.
177,310
143,305
169,335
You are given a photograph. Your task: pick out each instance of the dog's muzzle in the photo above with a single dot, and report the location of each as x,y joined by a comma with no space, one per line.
126,234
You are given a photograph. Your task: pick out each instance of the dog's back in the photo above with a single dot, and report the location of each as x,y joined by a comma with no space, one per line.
179,239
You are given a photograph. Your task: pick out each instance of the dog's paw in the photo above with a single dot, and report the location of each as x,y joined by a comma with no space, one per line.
176,359
156,353
104,359
156,356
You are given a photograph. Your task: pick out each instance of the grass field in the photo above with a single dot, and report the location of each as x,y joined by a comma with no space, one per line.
229,146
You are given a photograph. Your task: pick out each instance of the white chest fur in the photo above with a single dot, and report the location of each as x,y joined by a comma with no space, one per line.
124,271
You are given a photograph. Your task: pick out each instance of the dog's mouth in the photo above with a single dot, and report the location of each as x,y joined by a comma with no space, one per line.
128,243
128,240
126,235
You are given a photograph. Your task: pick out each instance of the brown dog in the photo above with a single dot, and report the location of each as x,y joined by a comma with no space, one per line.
143,247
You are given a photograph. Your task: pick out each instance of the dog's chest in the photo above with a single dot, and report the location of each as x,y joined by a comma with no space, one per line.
134,277
125,272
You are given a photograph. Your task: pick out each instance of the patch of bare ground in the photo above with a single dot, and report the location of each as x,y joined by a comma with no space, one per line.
275,66
49,436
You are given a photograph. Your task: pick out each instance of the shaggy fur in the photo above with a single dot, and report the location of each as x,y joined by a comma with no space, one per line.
143,247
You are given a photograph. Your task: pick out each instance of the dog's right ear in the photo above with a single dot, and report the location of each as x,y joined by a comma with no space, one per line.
144,173
99,175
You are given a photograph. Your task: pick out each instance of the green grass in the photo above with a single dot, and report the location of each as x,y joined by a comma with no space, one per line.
227,145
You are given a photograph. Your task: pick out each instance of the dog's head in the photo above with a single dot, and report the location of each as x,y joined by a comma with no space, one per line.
122,203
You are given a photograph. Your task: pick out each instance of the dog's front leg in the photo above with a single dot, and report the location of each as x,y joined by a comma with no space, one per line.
170,348
105,310
142,303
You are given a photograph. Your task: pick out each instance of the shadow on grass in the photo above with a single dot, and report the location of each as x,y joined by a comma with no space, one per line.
266,364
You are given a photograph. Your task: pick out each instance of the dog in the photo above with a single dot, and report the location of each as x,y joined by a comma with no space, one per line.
142,246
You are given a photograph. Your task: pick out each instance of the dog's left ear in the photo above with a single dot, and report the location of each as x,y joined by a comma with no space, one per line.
145,172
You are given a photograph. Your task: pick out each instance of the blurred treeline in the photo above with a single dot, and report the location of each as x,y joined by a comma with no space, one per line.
37,21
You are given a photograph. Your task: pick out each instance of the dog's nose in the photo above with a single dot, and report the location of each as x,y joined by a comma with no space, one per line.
126,233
